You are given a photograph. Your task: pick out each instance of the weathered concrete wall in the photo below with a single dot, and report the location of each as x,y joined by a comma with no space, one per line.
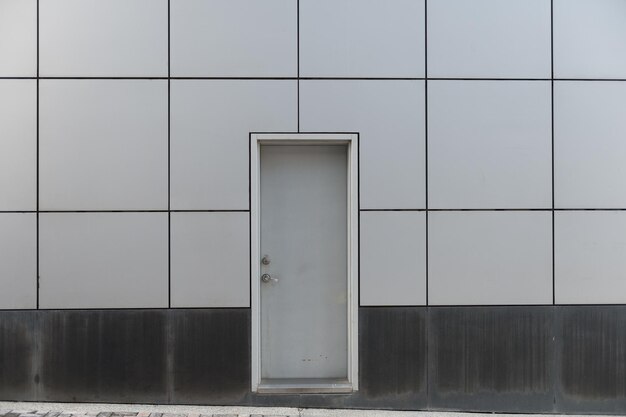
516,359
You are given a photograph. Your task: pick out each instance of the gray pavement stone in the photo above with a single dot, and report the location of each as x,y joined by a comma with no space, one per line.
25,409
269,415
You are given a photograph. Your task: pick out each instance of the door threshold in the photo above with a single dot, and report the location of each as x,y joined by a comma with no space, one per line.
305,386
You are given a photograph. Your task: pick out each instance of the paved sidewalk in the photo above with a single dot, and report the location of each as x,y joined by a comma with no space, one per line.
36,413
29,409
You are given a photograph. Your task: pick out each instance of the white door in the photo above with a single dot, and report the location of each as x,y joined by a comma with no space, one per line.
303,267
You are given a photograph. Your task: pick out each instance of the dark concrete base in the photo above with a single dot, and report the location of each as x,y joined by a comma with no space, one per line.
19,367
103,356
125,356
591,365
210,356
491,359
393,357
502,359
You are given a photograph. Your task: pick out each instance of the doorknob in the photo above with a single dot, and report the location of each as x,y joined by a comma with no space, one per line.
268,278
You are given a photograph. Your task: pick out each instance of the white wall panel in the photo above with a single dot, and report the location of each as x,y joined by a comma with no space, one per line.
589,38
18,38
103,144
389,115
18,144
18,261
234,38
393,258
362,38
210,260
490,258
103,38
590,257
210,125
103,260
589,145
489,144
489,38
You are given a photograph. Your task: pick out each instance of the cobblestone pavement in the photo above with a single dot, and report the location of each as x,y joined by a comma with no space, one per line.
25,409
46,413
37,409
37,413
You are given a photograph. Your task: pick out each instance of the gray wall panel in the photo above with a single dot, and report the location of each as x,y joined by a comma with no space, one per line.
18,261
597,51
481,136
489,258
234,38
18,38
103,38
589,257
589,147
392,258
103,144
394,49
18,142
210,260
488,38
103,260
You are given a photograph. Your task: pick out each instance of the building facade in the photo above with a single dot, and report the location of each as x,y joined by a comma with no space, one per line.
406,204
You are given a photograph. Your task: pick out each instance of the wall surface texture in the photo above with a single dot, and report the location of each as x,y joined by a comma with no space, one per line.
492,195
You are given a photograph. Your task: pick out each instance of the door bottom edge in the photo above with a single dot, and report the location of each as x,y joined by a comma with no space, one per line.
305,386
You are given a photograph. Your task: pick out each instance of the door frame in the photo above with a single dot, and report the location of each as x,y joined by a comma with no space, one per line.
352,142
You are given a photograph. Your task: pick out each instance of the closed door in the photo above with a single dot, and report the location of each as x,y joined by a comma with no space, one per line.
304,267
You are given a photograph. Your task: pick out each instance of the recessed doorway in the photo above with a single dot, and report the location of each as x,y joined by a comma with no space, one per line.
304,263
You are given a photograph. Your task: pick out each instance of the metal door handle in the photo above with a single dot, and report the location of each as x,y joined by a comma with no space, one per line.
268,278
